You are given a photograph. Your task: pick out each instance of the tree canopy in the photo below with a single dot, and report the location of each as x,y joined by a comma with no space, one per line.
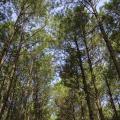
59,60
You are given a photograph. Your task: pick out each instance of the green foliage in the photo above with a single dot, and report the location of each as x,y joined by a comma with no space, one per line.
53,61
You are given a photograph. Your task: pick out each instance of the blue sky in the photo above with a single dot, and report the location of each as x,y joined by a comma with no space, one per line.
102,2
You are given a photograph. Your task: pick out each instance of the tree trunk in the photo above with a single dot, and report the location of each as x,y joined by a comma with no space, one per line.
85,86
107,41
82,112
93,79
12,75
111,51
111,98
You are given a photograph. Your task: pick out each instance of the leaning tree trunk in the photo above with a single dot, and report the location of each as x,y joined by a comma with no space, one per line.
111,98
82,111
85,86
98,104
12,75
107,41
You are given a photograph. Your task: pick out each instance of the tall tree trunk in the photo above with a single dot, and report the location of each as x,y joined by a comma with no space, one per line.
111,98
111,51
12,75
10,111
8,114
85,86
37,107
12,37
82,112
72,104
7,45
73,112
93,79
6,96
107,41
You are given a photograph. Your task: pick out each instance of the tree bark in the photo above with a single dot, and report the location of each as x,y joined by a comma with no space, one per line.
107,41
82,112
93,79
111,99
12,75
85,86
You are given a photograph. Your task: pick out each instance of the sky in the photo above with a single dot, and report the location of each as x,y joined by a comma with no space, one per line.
102,2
